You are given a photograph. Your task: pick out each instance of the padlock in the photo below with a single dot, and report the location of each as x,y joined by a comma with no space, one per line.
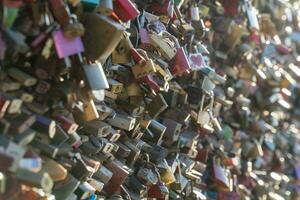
147,175
156,106
135,111
97,127
104,111
216,124
90,5
90,146
136,186
55,170
103,174
144,65
173,130
181,63
158,190
87,113
106,7
203,115
230,9
73,28
120,173
166,47
66,123
123,151
158,131
164,8
220,177
84,190
108,146
60,136
122,121
60,12
10,12
81,170
166,175
145,39
252,16
21,77
96,79
234,36
185,29
134,154
196,61
121,55
39,180
163,69
15,43
100,42
66,187
67,46
125,10
21,122
151,83
96,184
194,13
45,148
266,24
115,86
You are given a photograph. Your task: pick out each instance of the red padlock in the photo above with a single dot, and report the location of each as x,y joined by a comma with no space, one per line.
202,155
180,63
230,7
60,12
159,191
68,125
120,173
125,10
166,9
148,79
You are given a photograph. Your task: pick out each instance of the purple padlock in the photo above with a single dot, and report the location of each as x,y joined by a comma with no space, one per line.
67,46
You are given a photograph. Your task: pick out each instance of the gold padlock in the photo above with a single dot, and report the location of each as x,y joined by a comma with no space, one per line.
165,47
121,55
87,113
141,70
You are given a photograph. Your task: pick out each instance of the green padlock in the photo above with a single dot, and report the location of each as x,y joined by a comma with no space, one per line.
90,5
9,16
227,132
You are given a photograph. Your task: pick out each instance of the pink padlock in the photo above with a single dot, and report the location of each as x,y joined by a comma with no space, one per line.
125,10
66,46
180,63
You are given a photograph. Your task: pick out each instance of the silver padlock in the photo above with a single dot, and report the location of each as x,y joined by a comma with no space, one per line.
207,85
203,116
98,127
124,122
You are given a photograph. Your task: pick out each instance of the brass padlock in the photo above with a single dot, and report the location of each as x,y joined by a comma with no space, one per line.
121,55
88,112
115,86
156,106
164,46
101,37
144,65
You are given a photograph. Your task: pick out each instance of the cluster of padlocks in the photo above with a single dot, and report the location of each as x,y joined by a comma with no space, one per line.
149,99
